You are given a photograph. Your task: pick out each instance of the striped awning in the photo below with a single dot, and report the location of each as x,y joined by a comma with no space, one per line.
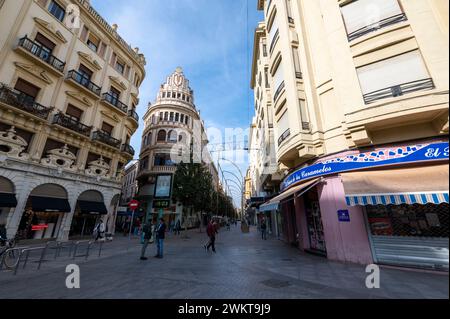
397,199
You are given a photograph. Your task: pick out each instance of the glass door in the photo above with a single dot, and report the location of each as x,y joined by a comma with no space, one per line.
314,222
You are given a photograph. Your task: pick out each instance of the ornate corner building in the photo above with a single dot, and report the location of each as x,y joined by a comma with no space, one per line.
69,87
355,93
172,124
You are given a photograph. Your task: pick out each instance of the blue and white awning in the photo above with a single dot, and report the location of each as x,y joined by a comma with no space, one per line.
397,199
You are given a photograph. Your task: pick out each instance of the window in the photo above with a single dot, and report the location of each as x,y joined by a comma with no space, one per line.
171,117
278,80
264,46
164,95
143,164
120,67
113,59
273,33
52,144
106,128
186,119
56,10
161,116
364,16
283,127
74,112
298,71
163,160
182,118
93,42
173,136
127,71
289,11
115,94
46,44
394,77
166,116
28,90
102,51
177,117
161,136
266,75
304,115
149,139
85,72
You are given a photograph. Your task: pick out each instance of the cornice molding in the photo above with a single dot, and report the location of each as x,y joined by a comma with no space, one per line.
35,71
89,59
80,97
111,116
50,30
117,82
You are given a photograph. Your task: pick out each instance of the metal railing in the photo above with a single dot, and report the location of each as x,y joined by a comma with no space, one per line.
22,101
42,53
72,124
115,102
277,93
85,81
127,148
106,138
274,40
134,115
376,26
399,90
284,136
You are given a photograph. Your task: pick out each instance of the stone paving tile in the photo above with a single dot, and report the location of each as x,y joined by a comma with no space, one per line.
244,267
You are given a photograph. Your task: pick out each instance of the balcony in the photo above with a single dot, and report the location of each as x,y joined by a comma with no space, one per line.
114,101
399,90
23,102
84,81
278,92
41,53
376,26
164,169
133,115
274,41
126,148
284,136
72,124
106,139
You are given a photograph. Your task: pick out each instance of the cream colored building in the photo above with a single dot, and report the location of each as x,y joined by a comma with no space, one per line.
68,97
173,127
347,78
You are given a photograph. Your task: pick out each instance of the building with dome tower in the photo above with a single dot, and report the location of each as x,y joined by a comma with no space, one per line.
172,125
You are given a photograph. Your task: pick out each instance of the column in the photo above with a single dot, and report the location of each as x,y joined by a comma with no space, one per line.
22,191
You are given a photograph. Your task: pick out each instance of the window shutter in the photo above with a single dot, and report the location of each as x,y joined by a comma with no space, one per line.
107,128
398,70
74,111
113,59
45,42
43,3
27,88
283,123
102,51
84,34
361,13
273,30
278,77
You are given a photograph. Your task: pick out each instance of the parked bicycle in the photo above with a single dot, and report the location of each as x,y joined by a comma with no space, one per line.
8,255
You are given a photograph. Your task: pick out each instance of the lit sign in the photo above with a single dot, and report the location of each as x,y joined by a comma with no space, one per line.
163,185
39,227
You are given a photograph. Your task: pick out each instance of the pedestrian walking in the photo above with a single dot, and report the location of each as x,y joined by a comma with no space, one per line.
263,229
147,230
99,230
211,231
160,236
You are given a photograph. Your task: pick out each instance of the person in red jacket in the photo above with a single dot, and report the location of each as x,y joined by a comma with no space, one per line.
211,231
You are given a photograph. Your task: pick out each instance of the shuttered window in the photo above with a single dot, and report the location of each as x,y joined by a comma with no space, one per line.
113,59
102,51
84,34
85,71
273,30
278,77
401,69
107,128
74,112
362,13
27,88
283,123
42,40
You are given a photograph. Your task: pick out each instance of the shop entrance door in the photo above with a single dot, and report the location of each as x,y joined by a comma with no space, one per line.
314,223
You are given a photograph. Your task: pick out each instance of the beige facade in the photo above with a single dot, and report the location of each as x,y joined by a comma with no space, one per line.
69,90
343,76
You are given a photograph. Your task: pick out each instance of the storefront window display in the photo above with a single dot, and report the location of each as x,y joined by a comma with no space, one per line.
314,222
39,225
409,220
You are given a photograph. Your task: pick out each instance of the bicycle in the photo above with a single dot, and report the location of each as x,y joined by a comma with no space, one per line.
7,254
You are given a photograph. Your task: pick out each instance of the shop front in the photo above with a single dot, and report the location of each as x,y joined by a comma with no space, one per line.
386,206
43,215
7,199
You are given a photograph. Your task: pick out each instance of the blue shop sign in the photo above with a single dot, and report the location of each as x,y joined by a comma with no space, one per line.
384,157
343,215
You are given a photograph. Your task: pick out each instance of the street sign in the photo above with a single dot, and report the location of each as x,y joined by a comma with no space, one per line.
343,215
133,205
161,203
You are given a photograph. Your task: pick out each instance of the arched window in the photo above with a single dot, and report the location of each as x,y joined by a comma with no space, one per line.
161,136
149,139
173,136
182,138
153,119
144,142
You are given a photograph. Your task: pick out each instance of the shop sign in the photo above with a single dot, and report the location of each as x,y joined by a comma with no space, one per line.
343,215
163,186
161,203
39,227
383,157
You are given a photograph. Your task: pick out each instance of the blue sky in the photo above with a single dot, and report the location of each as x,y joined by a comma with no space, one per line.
212,40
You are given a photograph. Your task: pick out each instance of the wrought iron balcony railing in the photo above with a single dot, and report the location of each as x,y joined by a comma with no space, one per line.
399,90
126,148
115,102
134,115
84,81
278,91
376,26
42,53
284,136
274,40
106,139
72,124
23,102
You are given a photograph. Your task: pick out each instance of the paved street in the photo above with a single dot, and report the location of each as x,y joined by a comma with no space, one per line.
244,267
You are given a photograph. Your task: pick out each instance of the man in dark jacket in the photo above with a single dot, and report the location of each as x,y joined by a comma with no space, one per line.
160,235
147,230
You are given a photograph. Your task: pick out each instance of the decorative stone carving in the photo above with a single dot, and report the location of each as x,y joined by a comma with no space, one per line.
98,168
60,158
117,82
50,30
80,97
13,145
111,116
89,59
35,71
